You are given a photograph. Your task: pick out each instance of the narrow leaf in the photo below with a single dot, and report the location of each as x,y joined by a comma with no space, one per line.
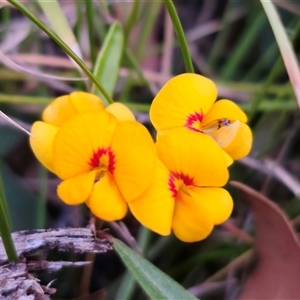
155,283
108,61
285,47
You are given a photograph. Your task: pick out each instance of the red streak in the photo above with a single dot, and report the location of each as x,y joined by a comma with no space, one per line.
95,159
179,176
192,119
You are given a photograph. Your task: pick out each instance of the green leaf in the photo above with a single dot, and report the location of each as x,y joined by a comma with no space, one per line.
155,283
108,61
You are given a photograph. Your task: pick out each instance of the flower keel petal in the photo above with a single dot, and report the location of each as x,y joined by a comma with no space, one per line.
235,139
224,109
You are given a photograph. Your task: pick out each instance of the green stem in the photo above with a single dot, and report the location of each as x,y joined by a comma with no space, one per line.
180,35
63,45
5,227
4,200
90,15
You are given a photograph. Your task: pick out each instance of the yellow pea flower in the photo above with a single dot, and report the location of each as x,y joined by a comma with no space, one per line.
103,160
188,100
186,194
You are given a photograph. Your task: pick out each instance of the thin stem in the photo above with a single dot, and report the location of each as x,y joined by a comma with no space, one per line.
4,200
5,227
180,35
63,45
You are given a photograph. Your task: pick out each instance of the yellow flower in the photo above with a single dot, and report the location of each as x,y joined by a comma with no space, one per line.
103,160
188,100
186,194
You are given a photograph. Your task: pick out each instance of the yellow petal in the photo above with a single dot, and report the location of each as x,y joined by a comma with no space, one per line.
120,111
191,220
224,109
62,108
79,139
106,202
193,154
228,158
135,159
181,98
216,200
235,139
154,208
42,142
76,190
84,102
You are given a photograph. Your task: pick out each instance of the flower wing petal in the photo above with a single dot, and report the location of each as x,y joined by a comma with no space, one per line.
42,142
224,109
193,154
106,202
154,208
78,139
120,111
216,200
76,190
235,139
62,108
192,221
180,97
135,159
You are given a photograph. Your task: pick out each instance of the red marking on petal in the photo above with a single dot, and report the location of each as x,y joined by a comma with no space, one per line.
186,180
95,159
193,118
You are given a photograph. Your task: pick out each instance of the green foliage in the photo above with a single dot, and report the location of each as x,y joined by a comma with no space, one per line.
107,65
156,284
232,43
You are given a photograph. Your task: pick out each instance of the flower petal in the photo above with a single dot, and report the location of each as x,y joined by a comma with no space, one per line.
181,97
66,106
42,142
195,155
154,208
78,139
228,159
106,202
235,139
216,200
135,159
224,109
192,221
120,111
76,190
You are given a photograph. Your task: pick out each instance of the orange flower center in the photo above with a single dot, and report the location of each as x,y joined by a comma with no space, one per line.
177,181
193,122
104,160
